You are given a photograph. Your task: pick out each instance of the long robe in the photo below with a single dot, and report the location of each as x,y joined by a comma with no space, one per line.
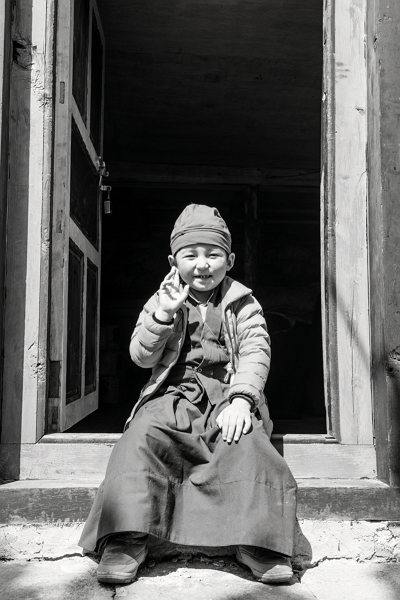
172,475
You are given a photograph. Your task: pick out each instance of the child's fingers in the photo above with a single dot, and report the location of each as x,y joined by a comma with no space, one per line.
242,426
233,425
247,424
167,278
239,429
176,278
220,419
185,293
225,426
230,430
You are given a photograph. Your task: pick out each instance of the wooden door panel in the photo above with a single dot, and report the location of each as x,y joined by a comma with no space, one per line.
74,324
96,85
80,55
84,189
91,345
76,241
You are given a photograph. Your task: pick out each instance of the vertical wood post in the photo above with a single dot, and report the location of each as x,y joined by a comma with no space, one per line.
28,224
5,71
344,223
251,237
383,54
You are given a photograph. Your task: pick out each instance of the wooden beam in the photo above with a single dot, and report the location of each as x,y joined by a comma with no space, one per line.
5,72
140,173
60,461
358,500
383,53
28,223
345,270
69,501
376,237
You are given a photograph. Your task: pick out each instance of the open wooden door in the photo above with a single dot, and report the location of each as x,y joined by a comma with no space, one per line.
76,235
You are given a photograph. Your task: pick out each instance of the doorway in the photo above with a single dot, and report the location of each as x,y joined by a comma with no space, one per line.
220,85
134,261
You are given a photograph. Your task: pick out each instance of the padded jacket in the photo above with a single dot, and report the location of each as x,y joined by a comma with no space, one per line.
157,346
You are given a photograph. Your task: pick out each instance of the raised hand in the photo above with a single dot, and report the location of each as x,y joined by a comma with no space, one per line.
172,294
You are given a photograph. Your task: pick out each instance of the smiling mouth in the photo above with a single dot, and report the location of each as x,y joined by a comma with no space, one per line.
202,276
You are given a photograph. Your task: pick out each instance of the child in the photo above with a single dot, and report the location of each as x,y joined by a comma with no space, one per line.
195,465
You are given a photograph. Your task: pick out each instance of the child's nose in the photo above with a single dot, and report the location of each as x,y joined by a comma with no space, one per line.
202,263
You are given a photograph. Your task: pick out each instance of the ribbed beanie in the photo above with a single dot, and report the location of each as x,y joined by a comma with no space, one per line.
200,224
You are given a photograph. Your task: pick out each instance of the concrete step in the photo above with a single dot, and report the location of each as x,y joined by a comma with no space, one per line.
75,577
66,501
69,578
316,542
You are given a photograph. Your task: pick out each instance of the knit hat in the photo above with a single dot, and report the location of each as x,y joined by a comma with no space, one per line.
200,224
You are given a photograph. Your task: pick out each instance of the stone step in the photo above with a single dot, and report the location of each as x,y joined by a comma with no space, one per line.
79,456
68,501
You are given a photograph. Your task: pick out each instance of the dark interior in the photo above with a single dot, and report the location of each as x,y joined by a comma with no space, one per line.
214,84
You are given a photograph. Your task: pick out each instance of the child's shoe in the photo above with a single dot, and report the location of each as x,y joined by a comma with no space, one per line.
266,566
122,555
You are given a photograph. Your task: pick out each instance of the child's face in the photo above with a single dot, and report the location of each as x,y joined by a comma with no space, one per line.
202,266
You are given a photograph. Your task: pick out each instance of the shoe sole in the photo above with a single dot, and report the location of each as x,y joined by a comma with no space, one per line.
116,577
264,578
121,576
276,578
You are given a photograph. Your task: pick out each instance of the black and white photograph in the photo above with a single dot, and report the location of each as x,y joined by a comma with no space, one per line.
200,299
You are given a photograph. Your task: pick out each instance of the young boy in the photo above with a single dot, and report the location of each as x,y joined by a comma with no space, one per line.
195,465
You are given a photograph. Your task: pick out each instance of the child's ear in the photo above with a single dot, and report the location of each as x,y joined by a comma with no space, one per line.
231,261
172,261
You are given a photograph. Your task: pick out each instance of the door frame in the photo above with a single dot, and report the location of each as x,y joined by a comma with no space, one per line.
383,56
344,224
346,114
28,227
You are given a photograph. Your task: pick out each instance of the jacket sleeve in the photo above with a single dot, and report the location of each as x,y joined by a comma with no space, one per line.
254,350
149,337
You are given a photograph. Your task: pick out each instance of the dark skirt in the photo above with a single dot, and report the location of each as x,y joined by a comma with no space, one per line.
172,475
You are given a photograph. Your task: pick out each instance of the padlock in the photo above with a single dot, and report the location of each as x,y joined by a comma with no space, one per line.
107,203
